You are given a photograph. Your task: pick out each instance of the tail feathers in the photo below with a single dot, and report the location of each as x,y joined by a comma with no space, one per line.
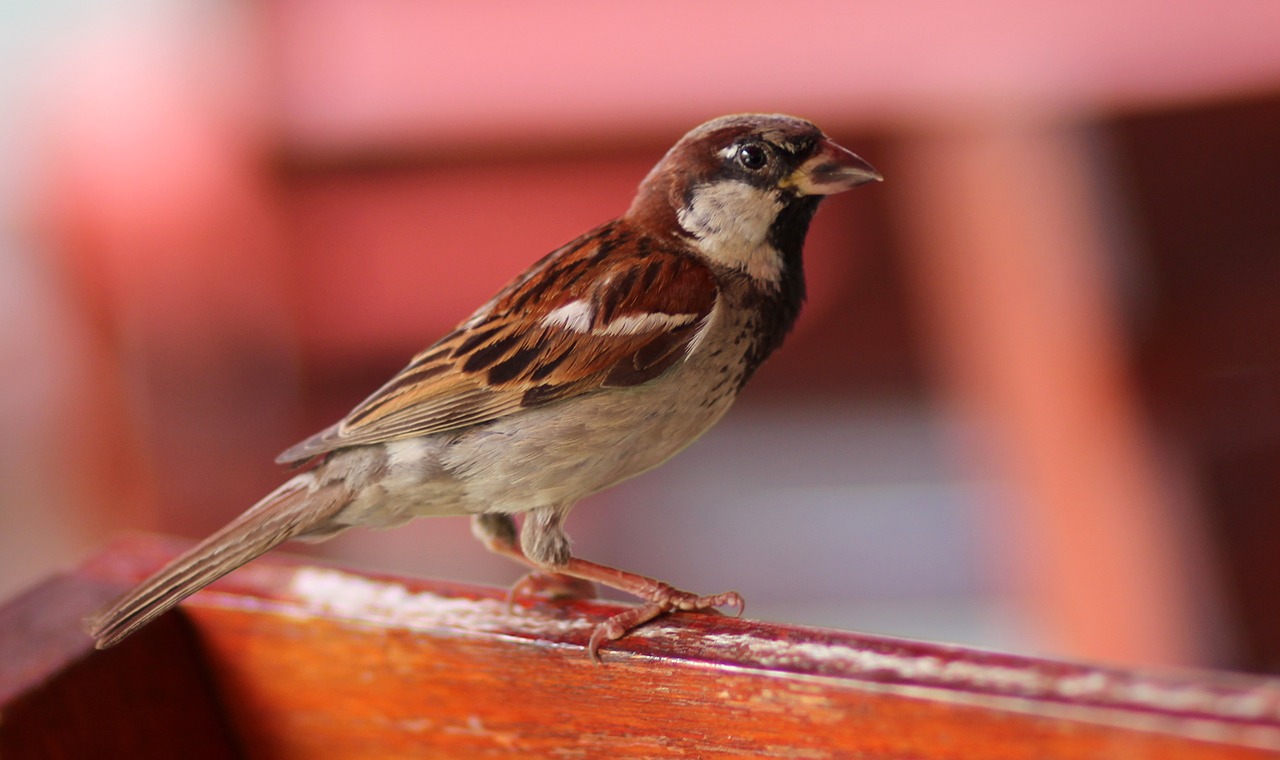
288,511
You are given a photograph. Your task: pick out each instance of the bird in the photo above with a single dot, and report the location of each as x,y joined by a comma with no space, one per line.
601,361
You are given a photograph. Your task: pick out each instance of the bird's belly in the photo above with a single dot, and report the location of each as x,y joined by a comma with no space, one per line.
557,454
550,456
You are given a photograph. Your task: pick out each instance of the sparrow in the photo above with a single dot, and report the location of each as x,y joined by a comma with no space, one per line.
601,361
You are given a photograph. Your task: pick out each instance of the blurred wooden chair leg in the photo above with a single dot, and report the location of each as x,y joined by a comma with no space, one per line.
1008,258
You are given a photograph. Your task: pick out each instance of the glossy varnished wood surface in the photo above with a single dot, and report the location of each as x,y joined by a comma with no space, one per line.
307,661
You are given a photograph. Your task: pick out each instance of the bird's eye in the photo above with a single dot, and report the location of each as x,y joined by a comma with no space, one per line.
753,157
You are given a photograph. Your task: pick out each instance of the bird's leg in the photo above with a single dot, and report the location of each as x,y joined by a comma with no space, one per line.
498,533
660,598
543,544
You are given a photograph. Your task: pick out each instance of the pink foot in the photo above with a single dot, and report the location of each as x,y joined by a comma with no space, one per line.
665,599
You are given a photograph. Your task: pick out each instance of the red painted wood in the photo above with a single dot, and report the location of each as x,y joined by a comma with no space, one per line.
312,661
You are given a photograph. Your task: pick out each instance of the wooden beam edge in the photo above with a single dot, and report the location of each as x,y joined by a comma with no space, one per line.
1206,705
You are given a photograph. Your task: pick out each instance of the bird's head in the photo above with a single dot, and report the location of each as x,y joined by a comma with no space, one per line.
743,189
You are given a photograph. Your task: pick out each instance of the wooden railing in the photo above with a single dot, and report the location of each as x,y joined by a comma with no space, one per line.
285,659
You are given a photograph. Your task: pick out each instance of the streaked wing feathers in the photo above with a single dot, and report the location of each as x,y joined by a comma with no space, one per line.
609,310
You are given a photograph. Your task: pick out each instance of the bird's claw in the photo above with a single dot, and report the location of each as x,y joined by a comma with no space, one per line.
667,599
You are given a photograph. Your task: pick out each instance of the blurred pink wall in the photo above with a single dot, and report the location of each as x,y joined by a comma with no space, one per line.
242,217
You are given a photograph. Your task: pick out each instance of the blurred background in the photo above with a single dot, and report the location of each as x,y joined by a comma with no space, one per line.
1033,404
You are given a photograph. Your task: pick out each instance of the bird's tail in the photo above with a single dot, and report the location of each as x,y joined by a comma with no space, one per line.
294,508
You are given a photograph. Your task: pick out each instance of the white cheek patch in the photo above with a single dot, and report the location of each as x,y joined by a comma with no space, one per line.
731,221
730,211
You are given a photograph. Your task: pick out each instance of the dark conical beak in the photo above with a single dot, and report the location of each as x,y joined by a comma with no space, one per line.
832,169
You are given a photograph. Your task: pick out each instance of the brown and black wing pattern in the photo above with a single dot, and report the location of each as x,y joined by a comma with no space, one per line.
640,306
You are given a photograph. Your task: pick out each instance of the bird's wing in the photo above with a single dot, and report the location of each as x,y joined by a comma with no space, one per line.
609,310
